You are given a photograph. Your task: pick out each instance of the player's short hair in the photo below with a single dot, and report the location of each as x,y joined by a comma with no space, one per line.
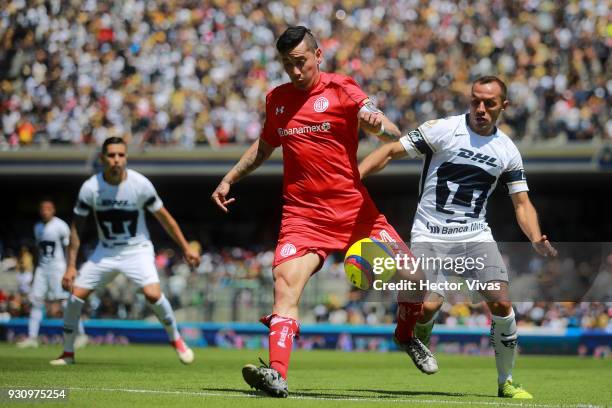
293,36
110,141
487,79
46,199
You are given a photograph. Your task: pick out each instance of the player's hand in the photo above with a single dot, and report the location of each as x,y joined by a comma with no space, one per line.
544,247
220,194
192,257
68,278
370,122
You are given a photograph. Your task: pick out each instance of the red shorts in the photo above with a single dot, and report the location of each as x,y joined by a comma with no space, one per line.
298,237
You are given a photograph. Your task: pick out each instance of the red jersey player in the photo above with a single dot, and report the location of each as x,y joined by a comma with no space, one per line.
315,119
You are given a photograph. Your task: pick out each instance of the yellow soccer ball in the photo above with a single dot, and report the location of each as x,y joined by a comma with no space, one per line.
367,260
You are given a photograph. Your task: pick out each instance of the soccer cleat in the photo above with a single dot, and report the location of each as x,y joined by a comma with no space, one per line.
265,379
65,359
510,390
81,341
30,342
185,354
420,355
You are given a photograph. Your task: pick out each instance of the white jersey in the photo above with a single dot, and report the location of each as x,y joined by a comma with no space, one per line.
460,170
51,238
119,209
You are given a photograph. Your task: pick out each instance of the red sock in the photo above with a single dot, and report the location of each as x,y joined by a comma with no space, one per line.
407,316
282,332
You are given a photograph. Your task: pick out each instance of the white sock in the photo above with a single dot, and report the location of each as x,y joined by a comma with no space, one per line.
81,327
72,313
164,313
36,315
504,339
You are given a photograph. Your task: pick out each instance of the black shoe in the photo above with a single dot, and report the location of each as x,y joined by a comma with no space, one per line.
265,379
420,355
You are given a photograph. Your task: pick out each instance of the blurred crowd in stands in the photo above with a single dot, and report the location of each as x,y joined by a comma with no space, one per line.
187,73
235,284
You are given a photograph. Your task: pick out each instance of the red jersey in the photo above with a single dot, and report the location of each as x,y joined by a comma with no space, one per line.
317,129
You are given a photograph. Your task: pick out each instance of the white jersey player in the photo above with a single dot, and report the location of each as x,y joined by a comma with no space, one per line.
51,235
461,170
464,157
117,198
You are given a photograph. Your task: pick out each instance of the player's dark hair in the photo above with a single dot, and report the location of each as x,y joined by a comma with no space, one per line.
46,199
110,141
487,79
293,36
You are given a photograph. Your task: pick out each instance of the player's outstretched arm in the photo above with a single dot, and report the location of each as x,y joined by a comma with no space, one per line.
172,228
255,155
378,159
76,229
374,121
527,218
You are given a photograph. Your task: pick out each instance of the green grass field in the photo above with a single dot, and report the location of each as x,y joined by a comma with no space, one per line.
151,376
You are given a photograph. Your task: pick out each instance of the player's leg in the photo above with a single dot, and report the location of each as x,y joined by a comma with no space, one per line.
98,271
409,302
424,326
37,300
417,350
290,278
139,267
36,316
504,339
57,293
72,314
429,252
504,335
163,310
81,339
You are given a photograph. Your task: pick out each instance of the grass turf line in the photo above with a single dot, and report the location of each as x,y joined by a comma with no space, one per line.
142,376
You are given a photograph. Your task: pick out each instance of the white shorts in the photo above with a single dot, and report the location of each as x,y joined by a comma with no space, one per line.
137,263
47,283
491,264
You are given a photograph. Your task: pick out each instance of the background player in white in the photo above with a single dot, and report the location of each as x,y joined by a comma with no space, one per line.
118,197
51,235
464,157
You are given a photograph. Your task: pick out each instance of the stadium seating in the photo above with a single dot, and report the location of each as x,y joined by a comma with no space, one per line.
195,73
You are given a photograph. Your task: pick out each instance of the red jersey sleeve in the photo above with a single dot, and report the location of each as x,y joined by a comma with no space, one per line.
352,96
268,132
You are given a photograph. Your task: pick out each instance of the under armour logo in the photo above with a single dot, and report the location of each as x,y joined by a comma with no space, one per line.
280,109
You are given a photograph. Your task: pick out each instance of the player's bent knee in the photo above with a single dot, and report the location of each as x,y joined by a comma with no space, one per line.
433,301
152,293
500,308
430,308
81,293
152,298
